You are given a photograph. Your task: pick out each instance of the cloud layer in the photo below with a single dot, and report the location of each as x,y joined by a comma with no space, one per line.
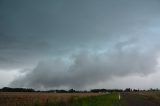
74,44
35,30
88,68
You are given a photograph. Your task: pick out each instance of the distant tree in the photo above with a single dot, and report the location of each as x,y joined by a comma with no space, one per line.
7,89
128,90
105,90
135,90
71,91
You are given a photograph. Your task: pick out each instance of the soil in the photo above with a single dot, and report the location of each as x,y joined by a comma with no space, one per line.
134,100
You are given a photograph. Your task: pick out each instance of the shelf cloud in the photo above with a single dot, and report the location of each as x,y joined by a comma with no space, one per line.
87,68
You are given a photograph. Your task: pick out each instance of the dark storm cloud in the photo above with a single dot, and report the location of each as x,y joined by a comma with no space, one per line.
121,37
34,29
87,68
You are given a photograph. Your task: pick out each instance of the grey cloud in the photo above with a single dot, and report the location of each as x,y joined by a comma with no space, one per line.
33,30
89,68
91,40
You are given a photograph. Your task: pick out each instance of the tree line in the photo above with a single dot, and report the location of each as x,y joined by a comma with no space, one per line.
8,89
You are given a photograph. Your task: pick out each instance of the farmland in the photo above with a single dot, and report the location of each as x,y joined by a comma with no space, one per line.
39,98
57,99
79,99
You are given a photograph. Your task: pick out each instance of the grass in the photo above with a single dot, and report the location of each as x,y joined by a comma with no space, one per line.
101,100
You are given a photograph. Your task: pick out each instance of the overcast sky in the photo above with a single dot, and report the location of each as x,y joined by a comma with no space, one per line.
80,44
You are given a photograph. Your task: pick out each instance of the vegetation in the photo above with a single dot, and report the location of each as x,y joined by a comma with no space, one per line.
39,98
101,100
8,89
94,97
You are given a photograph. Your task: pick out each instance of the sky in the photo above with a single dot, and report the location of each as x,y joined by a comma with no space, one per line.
80,44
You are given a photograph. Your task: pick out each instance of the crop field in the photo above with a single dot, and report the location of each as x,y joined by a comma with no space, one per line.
31,99
79,99
58,99
100,100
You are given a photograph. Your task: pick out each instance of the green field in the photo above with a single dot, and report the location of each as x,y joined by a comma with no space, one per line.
101,100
